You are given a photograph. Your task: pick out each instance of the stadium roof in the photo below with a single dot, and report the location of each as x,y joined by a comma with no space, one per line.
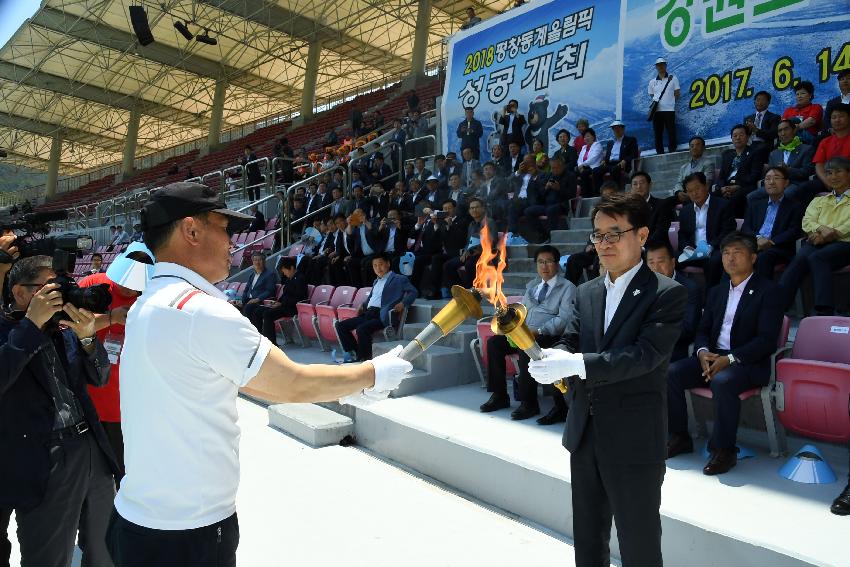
76,65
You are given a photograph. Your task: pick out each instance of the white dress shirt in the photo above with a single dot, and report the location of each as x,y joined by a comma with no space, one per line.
615,149
614,292
724,340
701,216
523,191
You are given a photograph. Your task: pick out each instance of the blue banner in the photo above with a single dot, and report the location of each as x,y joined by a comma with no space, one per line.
558,59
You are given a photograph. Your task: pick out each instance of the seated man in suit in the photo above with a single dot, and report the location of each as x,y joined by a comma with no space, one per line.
661,260
361,242
706,220
392,237
698,162
261,285
736,336
294,290
553,199
826,224
469,256
762,125
443,235
259,222
740,171
391,293
549,299
494,193
662,210
526,184
775,222
795,156
619,155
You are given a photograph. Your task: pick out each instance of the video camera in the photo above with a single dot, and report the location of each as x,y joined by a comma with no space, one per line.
32,240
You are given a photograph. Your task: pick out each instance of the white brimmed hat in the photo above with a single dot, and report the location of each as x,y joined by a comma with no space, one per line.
660,60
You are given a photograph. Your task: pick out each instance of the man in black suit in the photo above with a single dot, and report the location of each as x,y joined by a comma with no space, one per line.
293,290
553,196
494,193
776,222
661,210
793,154
514,158
736,336
337,252
740,171
392,237
618,348
762,123
314,199
527,186
705,219
379,171
259,222
661,260
501,161
470,131
361,241
429,196
620,153
512,123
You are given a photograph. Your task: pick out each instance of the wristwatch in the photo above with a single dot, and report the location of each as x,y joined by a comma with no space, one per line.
87,341
732,359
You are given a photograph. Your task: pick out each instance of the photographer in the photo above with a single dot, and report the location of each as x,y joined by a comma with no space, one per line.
57,465
512,123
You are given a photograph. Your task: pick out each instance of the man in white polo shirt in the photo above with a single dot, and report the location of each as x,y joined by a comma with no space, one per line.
664,91
187,352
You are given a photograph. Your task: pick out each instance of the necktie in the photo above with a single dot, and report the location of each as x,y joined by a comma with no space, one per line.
759,116
541,295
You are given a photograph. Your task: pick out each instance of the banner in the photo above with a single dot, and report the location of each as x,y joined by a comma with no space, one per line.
567,59
725,51
557,59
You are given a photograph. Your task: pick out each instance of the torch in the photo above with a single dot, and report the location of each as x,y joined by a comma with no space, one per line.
510,321
464,304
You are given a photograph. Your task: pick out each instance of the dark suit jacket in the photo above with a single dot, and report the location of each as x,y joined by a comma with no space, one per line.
693,311
517,135
720,223
469,137
314,205
354,245
294,290
629,151
786,227
430,238
755,327
337,244
399,243
626,368
27,412
570,157
455,236
800,166
263,288
660,218
769,124
498,190
259,222
749,169
503,166
397,289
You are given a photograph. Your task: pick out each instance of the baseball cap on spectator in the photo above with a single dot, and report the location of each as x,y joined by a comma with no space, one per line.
618,123
660,60
356,183
133,267
433,178
185,199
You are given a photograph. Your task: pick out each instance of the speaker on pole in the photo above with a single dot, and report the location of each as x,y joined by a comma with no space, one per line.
139,19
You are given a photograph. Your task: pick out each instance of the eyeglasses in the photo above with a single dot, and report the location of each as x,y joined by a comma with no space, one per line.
546,262
609,237
772,177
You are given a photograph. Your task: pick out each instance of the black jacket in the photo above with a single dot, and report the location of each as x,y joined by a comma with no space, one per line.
693,311
755,328
469,137
26,405
455,235
661,216
399,243
355,246
517,135
629,151
626,367
748,172
569,155
800,166
720,223
294,290
769,124
786,227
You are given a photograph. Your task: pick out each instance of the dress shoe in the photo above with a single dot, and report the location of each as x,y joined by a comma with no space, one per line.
496,402
679,444
841,505
524,411
721,461
555,415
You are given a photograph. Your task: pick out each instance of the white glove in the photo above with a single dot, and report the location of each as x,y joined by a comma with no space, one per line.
390,370
555,365
361,398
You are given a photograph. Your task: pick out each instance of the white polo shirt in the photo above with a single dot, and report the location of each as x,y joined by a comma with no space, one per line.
186,353
667,102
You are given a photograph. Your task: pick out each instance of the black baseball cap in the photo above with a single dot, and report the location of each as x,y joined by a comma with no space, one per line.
185,199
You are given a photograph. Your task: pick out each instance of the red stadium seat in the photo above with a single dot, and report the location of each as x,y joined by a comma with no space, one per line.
775,435
307,313
326,316
344,312
478,346
813,383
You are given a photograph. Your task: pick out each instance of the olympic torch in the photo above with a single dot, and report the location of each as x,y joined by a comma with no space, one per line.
464,304
510,321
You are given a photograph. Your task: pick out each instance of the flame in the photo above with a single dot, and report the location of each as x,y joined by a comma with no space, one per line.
489,278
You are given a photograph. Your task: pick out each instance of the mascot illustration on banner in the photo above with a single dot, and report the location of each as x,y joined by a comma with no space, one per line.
539,122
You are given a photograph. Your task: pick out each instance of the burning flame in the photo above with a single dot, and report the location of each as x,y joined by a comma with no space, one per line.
489,278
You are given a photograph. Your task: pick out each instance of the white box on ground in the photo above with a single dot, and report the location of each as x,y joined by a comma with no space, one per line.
312,424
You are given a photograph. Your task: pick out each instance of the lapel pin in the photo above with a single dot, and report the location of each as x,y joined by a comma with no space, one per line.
635,293
751,292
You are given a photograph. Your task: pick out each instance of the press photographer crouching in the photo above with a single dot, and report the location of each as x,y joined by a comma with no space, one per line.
56,469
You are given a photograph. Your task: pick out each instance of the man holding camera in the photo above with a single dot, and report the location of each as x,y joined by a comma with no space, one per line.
57,466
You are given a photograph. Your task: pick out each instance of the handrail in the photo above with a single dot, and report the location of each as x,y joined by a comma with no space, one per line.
259,239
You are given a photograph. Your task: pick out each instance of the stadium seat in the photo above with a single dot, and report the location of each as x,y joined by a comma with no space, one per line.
813,383
306,313
775,434
673,235
326,314
478,346
344,312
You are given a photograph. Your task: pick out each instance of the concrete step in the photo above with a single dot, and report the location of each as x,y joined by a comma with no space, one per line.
527,250
438,367
518,280
459,338
574,236
312,424
581,223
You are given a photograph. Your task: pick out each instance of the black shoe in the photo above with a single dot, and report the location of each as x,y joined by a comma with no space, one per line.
679,444
496,402
721,461
841,505
524,411
555,415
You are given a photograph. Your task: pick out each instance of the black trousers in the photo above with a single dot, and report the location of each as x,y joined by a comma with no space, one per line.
263,318
725,386
661,121
497,349
338,272
579,262
5,544
451,276
628,493
79,495
820,261
363,326
769,258
131,545
552,212
116,441
712,267
616,172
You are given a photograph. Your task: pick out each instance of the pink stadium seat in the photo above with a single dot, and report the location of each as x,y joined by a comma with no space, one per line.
775,436
813,383
326,313
344,312
673,235
307,313
478,346
241,238
295,249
